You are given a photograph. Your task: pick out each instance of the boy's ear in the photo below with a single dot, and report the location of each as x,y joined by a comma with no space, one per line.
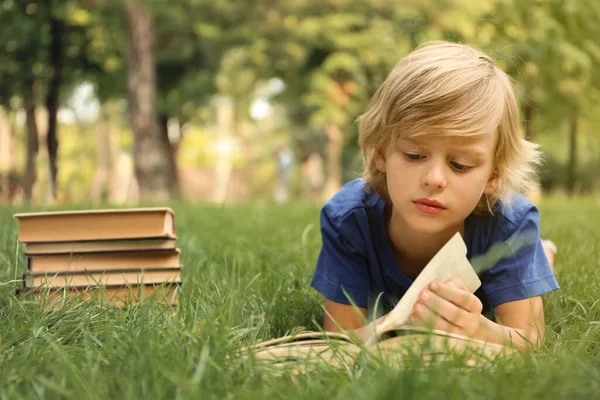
492,183
380,161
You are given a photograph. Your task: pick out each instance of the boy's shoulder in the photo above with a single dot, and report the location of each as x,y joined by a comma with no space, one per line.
351,198
514,211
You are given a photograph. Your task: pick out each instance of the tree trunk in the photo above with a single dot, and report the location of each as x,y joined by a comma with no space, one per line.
53,98
15,182
572,168
7,161
152,167
32,141
170,150
334,160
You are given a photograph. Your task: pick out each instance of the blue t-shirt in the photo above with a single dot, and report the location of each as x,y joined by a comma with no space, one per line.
356,258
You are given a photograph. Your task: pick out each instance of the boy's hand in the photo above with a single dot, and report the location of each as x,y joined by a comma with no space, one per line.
449,307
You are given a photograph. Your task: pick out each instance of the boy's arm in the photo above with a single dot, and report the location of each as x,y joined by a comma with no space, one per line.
522,321
340,317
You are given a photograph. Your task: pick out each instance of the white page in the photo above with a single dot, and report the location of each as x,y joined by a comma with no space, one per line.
450,262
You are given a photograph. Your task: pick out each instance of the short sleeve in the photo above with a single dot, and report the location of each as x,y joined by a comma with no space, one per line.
522,271
342,270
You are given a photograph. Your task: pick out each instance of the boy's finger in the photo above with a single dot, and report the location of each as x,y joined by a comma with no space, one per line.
427,317
458,316
424,315
458,283
461,298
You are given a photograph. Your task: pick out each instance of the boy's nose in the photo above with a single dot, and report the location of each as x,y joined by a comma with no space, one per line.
434,176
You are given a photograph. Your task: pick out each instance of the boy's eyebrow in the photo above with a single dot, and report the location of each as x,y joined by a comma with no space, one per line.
470,152
411,140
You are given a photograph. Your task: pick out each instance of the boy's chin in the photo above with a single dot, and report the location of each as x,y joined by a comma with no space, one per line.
432,226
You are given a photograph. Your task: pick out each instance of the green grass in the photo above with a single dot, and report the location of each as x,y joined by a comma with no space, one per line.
247,279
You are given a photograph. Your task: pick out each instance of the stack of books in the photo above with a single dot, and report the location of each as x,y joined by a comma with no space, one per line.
120,255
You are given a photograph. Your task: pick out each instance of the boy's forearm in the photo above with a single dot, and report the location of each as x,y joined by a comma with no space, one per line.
489,331
520,339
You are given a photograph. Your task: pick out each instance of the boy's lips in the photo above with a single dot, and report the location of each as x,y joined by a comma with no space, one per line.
429,206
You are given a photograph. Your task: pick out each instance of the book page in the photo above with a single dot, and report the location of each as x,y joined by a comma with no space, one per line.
450,262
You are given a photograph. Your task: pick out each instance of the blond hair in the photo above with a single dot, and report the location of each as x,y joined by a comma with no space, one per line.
449,89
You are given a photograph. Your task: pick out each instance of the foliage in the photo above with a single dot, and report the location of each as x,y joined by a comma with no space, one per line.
330,55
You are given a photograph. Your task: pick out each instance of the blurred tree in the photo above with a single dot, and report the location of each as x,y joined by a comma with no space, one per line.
578,80
55,65
332,56
554,49
152,166
46,48
190,40
7,154
218,53
181,73
23,35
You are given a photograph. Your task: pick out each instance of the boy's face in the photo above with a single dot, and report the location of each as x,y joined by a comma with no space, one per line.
434,183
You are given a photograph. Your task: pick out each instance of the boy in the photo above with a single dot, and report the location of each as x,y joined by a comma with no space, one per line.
442,154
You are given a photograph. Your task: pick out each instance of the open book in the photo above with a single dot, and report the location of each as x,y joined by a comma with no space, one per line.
393,337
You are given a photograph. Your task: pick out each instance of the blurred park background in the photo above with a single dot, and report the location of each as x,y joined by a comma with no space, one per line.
121,102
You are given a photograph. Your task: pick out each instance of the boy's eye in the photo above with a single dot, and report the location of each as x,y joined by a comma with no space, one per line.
460,167
413,157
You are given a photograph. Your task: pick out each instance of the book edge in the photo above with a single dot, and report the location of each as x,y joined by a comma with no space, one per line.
43,214
101,271
136,238
111,252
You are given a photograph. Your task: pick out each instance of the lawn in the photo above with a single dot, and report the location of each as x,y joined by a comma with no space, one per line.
247,279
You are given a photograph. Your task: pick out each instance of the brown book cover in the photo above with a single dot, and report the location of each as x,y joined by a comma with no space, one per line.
118,295
102,278
109,261
82,225
99,246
